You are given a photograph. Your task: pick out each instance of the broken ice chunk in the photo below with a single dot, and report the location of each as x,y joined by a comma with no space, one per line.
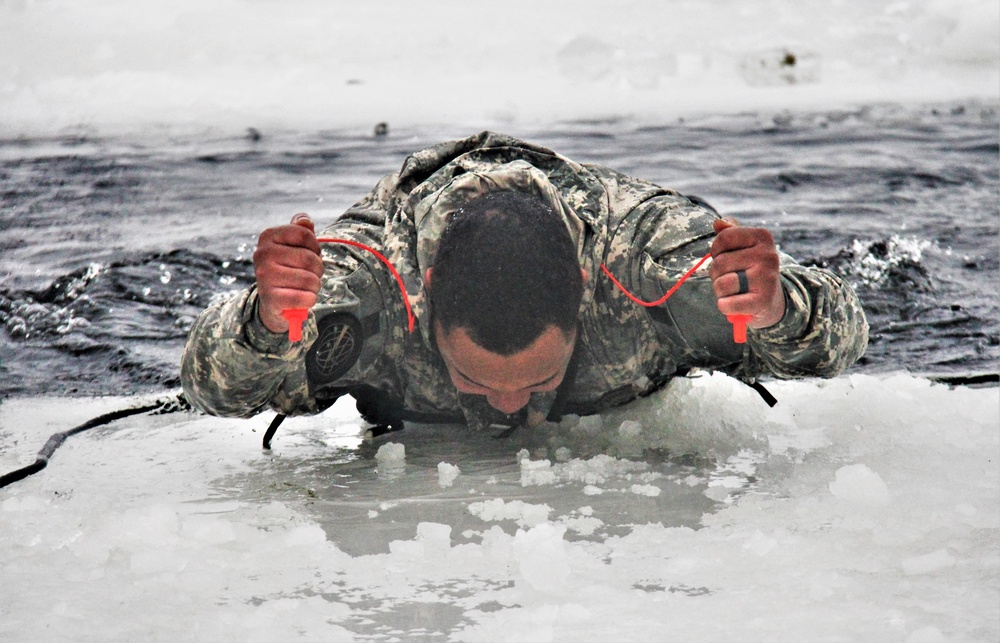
391,457
447,474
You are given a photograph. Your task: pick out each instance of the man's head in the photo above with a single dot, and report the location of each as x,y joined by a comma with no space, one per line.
505,293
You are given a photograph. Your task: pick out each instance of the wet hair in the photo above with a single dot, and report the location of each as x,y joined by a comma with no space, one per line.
505,270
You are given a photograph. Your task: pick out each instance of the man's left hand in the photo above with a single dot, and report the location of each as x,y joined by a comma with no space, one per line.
752,251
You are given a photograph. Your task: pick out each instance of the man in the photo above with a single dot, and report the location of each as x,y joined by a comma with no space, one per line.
500,246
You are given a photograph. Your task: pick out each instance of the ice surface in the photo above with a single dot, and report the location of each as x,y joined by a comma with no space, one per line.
876,518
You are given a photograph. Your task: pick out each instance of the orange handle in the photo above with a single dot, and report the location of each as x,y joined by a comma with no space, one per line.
739,323
296,317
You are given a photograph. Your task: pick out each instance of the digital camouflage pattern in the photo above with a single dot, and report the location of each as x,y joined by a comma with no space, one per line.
647,236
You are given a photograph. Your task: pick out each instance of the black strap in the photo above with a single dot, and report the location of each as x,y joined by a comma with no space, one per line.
275,423
763,392
167,405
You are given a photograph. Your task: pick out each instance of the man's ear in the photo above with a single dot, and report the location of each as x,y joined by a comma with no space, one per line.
427,277
585,275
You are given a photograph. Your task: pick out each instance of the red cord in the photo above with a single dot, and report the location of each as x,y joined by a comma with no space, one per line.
651,304
399,280
297,316
739,322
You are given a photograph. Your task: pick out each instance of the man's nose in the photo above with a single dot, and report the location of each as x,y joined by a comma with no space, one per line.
508,402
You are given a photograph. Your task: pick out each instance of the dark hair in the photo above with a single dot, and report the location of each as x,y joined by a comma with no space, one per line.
505,270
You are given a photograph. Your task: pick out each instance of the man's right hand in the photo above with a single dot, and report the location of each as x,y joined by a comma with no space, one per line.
288,268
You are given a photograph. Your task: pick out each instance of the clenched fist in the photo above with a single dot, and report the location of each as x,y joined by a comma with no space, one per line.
288,268
752,252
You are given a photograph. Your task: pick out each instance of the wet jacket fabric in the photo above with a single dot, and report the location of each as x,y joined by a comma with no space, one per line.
646,235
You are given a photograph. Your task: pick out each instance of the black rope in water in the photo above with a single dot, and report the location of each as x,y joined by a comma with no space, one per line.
764,393
275,423
162,406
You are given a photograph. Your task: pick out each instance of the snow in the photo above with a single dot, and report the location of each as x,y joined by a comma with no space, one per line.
874,517
109,66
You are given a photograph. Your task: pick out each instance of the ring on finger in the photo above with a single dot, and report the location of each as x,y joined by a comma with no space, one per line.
744,282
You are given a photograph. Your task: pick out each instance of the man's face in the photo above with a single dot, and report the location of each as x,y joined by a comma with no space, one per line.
506,381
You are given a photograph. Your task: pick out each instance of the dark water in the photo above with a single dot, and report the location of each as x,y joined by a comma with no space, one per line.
109,247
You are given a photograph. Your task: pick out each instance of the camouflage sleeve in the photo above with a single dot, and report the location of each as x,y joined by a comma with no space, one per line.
824,329
234,366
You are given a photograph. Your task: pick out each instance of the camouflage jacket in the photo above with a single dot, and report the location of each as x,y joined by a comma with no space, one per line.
356,339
